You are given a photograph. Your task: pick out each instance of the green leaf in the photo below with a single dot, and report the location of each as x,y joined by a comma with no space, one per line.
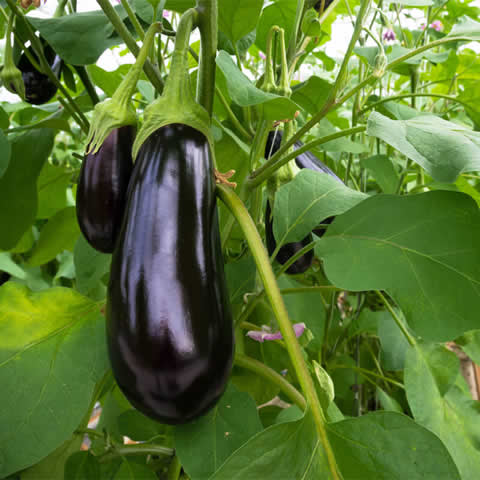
423,249
311,197
312,94
470,343
387,402
53,466
244,93
393,341
52,185
179,5
285,451
5,151
138,427
466,27
18,190
442,407
236,19
129,470
90,266
383,171
52,353
108,81
444,149
79,38
82,466
204,444
389,446
9,266
59,234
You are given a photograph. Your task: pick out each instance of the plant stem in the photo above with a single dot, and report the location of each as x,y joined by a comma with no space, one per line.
407,95
272,376
174,469
368,372
87,83
152,73
292,46
267,276
136,449
207,24
275,162
68,107
235,121
133,18
411,340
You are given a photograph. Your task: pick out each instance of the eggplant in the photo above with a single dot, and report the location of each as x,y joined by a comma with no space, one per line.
288,250
39,89
168,319
102,189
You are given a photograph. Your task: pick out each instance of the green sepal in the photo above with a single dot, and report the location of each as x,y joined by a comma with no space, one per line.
119,111
380,67
177,103
11,76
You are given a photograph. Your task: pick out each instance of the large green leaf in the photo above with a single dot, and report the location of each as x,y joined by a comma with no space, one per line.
79,38
244,93
423,249
466,27
52,186
236,19
384,172
130,470
52,353
60,233
18,190
311,197
204,444
312,94
442,407
444,149
5,151
389,446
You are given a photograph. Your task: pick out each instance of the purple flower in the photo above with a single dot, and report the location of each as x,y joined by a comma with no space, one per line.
262,55
437,25
265,334
389,35
166,14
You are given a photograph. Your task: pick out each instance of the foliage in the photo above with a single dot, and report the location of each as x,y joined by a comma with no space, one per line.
369,389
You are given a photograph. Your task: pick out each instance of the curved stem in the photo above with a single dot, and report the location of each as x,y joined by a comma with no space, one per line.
267,276
235,121
152,73
207,23
68,107
275,162
366,372
87,83
136,449
411,340
408,95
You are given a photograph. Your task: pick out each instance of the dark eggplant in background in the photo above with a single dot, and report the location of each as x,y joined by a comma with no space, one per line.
304,160
102,189
39,89
169,325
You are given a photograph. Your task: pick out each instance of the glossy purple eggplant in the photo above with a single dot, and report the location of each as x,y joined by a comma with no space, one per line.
169,324
102,189
287,251
39,88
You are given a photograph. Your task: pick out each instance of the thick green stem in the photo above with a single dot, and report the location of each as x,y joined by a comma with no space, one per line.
207,23
68,107
292,46
60,11
152,73
137,449
411,340
174,469
272,376
267,276
133,18
276,161
235,121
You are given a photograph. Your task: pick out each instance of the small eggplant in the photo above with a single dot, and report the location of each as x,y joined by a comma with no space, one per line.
39,88
102,189
288,250
169,324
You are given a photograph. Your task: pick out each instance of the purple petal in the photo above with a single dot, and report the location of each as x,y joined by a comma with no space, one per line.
262,335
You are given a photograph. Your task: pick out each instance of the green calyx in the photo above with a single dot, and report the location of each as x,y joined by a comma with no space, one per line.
284,83
269,84
119,111
11,76
177,103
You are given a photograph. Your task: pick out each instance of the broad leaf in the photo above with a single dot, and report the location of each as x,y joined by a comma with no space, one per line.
312,94
18,190
384,172
130,470
466,28
52,186
81,466
204,444
244,93
444,149
59,234
442,407
311,197
389,446
422,249
236,19
52,353
5,151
